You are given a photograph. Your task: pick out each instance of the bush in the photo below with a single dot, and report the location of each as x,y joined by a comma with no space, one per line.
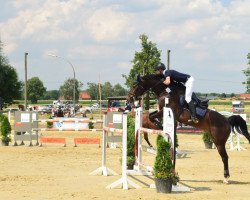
5,129
50,124
163,166
91,125
206,137
130,140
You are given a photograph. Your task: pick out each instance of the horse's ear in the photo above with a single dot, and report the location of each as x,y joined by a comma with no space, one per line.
138,79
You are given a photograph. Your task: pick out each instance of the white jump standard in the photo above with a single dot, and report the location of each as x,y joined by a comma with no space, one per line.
169,131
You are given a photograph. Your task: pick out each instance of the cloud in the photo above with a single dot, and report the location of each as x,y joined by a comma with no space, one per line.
108,25
102,35
228,32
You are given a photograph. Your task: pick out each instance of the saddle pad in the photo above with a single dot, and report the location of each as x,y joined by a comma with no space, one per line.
200,112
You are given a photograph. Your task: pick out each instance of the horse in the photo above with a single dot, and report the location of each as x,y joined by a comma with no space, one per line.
213,122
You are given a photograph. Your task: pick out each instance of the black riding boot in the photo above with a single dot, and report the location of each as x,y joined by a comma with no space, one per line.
193,112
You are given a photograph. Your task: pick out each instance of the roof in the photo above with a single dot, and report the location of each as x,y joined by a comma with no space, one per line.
244,96
84,95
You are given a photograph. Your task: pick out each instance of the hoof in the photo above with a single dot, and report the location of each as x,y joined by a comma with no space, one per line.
226,181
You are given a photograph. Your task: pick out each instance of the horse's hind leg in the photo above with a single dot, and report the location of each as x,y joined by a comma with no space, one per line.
223,153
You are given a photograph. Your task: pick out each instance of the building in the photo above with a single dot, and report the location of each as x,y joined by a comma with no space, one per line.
84,95
244,96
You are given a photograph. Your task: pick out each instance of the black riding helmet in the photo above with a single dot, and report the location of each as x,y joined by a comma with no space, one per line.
160,66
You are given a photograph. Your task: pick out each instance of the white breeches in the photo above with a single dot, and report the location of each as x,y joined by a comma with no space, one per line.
189,89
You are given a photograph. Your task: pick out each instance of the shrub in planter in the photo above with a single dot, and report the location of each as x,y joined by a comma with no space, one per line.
91,125
50,124
164,172
5,130
207,140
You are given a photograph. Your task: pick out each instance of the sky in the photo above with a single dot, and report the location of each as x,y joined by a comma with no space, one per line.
208,39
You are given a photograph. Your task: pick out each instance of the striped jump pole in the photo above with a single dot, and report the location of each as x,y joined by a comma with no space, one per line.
65,129
69,120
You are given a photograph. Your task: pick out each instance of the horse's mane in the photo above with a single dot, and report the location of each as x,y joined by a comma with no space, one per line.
153,77
175,86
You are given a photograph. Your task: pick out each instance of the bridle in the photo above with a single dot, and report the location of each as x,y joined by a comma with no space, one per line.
132,95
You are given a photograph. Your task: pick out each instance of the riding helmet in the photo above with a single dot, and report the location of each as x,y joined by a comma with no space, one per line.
160,66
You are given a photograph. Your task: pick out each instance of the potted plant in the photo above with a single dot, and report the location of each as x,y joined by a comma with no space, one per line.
5,130
164,172
91,125
50,124
207,140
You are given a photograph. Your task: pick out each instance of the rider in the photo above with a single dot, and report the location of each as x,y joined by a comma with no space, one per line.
172,75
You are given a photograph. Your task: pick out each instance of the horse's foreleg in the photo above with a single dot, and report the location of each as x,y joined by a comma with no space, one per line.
223,153
145,134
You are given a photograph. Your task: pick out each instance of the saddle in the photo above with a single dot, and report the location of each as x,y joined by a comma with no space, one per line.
201,105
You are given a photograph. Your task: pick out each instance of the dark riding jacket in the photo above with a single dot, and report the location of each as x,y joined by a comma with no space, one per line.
176,76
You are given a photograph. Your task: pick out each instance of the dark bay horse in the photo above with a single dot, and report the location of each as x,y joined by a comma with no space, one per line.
213,122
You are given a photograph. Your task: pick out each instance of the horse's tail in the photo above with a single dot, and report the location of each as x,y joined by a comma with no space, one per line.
237,122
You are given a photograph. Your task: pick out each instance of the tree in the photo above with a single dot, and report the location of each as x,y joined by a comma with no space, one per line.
35,89
93,90
119,90
67,89
223,95
10,86
143,63
52,94
107,90
247,74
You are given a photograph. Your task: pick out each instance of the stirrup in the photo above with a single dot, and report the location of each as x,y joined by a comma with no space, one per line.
194,119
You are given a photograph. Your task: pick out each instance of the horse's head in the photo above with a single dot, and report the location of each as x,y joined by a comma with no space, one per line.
142,85
136,90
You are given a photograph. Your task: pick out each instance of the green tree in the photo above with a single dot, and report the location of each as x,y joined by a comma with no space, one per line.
119,90
67,89
143,63
10,86
35,89
107,90
93,90
232,95
51,95
247,74
223,95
